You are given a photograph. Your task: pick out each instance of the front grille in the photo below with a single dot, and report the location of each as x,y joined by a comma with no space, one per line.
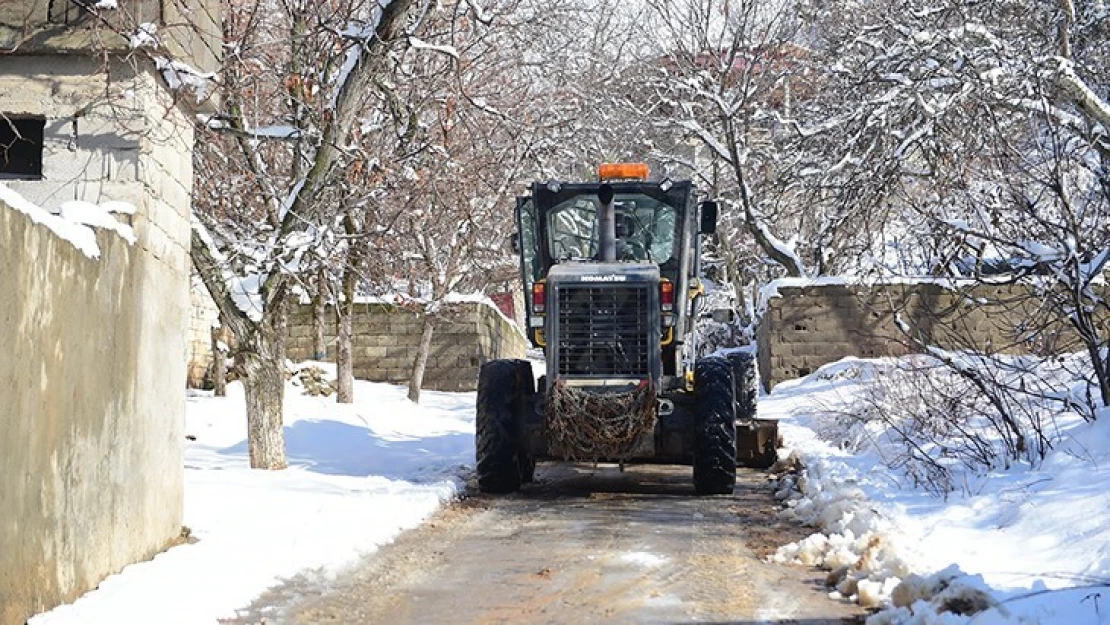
603,330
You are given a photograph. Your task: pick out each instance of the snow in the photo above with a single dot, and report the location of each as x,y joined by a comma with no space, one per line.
781,246
420,44
480,13
707,137
145,36
1032,541
643,559
280,131
73,224
245,290
89,214
1082,93
358,475
182,76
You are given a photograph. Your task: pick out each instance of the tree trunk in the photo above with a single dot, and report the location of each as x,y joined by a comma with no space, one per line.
219,363
319,309
417,379
344,358
264,383
1102,371
261,356
735,276
763,237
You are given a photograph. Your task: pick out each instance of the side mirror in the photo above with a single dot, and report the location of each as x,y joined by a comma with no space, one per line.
514,242
708,223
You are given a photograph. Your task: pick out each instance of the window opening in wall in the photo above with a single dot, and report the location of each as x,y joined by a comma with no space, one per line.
21,147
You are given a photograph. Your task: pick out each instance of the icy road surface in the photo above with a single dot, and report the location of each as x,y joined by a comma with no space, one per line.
582,544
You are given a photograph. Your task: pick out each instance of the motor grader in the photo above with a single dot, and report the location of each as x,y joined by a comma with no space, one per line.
612,275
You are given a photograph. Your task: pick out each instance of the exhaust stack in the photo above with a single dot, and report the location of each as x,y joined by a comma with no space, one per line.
608,224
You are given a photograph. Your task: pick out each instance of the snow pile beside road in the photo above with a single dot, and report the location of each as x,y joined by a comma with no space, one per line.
858,543
1029,544
358,476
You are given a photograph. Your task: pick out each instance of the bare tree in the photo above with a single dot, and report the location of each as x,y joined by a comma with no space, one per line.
1003,149
294,88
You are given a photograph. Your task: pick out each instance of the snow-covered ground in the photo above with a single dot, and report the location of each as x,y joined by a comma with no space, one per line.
1032,541
358,475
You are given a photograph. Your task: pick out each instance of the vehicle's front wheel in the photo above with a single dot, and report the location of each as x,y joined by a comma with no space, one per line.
504,387
714,428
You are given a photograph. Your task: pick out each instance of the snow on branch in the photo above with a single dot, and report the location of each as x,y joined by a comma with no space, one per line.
789,258
707,138
243,291
420,44
480,13
1079,92
180,76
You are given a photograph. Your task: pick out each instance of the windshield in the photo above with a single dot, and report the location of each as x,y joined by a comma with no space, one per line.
645,228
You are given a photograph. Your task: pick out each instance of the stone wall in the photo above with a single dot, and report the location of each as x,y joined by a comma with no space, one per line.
92,376
811,324
203,316
387,337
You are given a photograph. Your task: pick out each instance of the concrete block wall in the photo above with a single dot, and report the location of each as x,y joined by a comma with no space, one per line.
203,316
387,338
93,376
810,325
92,384
188,30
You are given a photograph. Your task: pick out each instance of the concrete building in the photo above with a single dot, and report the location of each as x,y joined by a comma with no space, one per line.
92,374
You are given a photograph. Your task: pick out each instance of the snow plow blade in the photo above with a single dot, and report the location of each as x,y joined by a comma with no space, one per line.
757,442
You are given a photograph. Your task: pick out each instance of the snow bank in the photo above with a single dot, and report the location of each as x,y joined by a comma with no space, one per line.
1027,545
358,475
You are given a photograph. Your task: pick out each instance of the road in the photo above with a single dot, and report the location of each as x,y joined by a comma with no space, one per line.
581,545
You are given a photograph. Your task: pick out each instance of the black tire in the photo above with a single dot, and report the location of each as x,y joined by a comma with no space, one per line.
714,428
744,382
504,387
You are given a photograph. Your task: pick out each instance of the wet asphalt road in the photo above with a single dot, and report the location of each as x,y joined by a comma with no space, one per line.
583,544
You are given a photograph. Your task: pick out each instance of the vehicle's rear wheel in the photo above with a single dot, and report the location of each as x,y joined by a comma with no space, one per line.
714,428
504,387
756,441
744,381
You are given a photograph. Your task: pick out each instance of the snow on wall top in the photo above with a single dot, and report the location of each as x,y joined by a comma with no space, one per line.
771,289
76,221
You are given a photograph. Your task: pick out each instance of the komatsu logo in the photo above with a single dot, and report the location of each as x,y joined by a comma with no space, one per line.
606,278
